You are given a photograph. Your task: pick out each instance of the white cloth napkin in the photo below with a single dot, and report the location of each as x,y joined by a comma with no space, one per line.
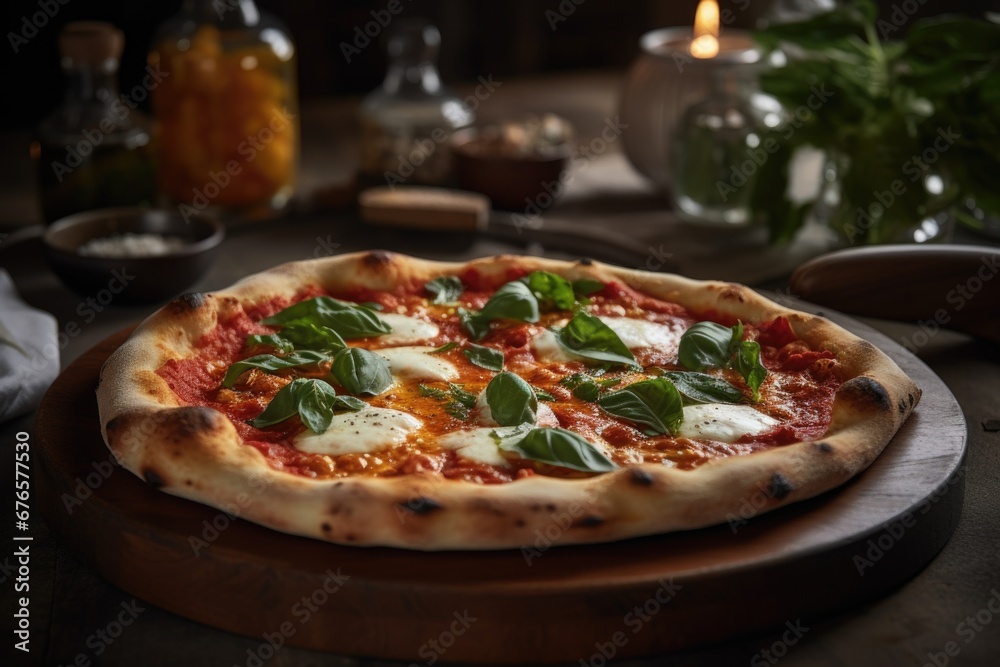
29,352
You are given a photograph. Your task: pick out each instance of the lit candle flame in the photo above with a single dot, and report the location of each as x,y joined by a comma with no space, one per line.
706,30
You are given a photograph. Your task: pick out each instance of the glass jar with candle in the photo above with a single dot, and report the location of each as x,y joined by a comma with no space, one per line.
95,150
227,107
406,124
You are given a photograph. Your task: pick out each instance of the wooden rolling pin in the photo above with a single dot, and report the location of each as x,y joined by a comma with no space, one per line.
949,286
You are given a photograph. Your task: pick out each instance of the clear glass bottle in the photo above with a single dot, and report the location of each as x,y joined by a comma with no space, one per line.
227,108
717,150
95,150
407,123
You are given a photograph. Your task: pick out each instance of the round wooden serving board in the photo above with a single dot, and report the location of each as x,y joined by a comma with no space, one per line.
633,598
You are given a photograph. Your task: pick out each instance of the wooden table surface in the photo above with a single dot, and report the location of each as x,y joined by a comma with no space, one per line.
948,614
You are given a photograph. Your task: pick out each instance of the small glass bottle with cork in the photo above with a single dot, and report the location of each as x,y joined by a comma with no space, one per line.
95,150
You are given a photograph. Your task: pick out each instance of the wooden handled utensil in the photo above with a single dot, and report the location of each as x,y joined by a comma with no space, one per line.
956,286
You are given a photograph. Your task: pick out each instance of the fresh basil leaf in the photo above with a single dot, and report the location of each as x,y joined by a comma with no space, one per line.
484,357
750,367
553,292
372,305
444,348
446,289
458,393
583,386
586,286
270,340
587,336
313,400
504,434
542,394
432,392
559,447
301,336
705,345
270,362
653,404
513,301
704,388
347,319
511,400
360,371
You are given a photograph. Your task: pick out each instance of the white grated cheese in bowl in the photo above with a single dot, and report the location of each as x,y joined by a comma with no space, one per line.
131,245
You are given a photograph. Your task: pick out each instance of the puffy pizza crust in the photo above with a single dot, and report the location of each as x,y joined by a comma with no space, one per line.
195,452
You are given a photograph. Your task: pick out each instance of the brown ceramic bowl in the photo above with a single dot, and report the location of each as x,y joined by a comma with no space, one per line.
511,183
138,279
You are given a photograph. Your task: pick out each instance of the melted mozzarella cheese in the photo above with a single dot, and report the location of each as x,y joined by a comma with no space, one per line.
406,330
548,349
640,333
367,430
416,362
723,422
476,444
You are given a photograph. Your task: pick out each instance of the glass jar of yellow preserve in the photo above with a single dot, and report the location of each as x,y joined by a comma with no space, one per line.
227,108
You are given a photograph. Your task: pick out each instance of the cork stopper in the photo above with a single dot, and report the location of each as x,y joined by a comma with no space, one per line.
91,42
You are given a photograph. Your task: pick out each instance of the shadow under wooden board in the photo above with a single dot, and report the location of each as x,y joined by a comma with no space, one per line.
632,598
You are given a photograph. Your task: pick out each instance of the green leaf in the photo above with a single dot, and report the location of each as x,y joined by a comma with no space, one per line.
587,336
583,386
444,348
313,400
705,345
553,292
484,357
361,372
511,400
270,362
347,319
750,367
704,388
458,393
542,394
513,301
300,336
586,286
446,289
559,447
432,392
372,305
653,404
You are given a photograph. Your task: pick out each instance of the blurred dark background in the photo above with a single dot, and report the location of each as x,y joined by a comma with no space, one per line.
508,38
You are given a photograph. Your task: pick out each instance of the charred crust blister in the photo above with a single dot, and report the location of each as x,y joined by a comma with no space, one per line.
153,478
641,478
326,528
901,406
824,447
868,391
377,258
590,521
186,303
586,261
779,487
421,505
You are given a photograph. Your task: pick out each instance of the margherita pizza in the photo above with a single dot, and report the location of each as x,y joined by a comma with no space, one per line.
378,399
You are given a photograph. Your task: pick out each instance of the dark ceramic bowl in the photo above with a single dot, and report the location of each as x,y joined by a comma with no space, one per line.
142,279
511,183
